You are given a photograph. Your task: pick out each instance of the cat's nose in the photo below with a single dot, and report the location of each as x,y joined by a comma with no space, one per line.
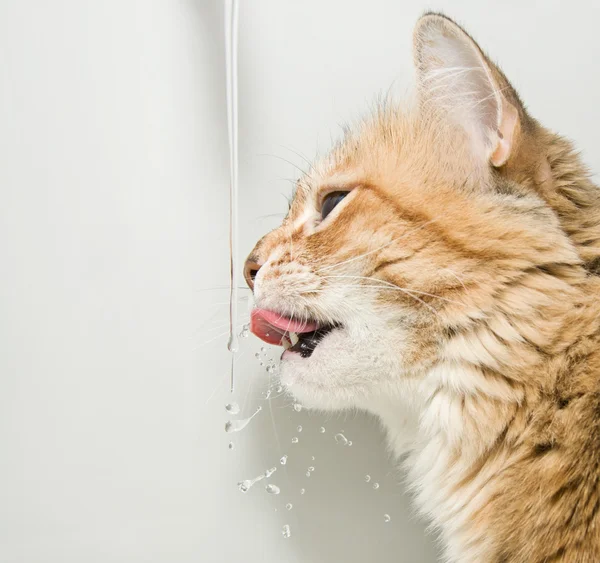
251,268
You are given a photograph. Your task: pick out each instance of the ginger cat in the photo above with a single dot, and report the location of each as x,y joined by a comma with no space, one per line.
441,269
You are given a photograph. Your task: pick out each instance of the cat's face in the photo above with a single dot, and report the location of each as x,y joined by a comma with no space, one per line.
402,237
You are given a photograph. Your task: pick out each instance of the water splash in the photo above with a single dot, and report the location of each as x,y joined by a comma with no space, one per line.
270,472
237,425
245,331
246,485
232,408
341,439
272,489
283,460
286,532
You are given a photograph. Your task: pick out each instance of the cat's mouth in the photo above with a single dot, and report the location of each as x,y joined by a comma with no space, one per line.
295,335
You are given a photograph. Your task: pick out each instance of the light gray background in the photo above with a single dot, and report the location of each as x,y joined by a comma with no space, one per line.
113,247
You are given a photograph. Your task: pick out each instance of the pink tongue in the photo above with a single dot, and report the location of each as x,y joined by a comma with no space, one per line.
271,327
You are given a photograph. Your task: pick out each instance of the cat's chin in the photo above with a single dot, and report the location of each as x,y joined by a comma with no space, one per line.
341,373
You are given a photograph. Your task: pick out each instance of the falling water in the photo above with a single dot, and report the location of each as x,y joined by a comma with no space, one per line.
231,44
244,486
272,489
237,425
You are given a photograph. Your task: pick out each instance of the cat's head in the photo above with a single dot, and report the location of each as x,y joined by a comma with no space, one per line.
420,226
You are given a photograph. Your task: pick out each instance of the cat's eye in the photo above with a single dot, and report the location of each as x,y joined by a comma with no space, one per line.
330,201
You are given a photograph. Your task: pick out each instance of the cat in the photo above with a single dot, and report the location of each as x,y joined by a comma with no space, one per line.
440,269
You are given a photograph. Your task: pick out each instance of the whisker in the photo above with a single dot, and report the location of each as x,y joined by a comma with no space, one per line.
244,319
377,249
456,276
297,153
222,287
389,285
284,160
408,292
220,335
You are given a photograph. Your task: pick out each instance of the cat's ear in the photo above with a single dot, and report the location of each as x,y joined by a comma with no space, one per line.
457,80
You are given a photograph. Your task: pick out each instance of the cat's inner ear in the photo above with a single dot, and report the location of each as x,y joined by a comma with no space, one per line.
456,80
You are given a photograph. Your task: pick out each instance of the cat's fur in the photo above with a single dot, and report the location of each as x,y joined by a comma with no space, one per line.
463,270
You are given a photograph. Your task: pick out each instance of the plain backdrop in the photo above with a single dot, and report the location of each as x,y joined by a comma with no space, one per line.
113,257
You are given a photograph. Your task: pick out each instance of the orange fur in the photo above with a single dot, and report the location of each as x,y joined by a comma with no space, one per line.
479,273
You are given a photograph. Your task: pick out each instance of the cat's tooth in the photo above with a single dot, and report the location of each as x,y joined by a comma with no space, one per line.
294,338
286,343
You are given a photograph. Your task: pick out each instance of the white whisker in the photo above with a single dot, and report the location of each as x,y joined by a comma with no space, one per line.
389,285
377,249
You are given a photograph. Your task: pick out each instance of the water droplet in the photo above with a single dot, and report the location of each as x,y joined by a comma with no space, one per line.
386,518
299,428
231,446
302,491
245,331
261,363
270,369
308,473
237,425
322,430
294,440
244,486
268,394
283,460
270,472
313,458
297,407
367,478
262,349
286,532
376,486
289,506
311,468
232,344
349,442
257,356
279,389
272,489
232,408
341,439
